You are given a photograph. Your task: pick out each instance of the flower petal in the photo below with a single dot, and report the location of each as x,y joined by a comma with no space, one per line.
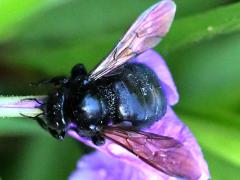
153,60
104,167
169,125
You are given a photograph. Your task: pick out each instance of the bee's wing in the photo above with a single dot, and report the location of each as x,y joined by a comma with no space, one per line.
145,33
163,153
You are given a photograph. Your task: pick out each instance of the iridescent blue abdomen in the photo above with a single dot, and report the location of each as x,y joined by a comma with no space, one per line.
132,95
140,99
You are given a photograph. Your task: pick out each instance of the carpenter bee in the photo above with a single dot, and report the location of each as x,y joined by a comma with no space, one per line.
119,97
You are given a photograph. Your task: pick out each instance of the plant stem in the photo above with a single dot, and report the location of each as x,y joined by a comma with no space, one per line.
17,106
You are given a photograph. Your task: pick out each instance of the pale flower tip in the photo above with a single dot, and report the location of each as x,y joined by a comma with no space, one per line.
18,106
100,166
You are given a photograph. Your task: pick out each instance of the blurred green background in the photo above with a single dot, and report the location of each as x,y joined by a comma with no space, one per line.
43,38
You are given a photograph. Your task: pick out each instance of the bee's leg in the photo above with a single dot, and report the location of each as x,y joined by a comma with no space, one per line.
37,118
59,135
56,81
78,70
98,139
96,135
41,122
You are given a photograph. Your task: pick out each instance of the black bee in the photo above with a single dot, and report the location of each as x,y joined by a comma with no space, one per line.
131,97
119,98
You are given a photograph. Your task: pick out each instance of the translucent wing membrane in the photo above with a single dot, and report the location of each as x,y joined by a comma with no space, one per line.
163,153
145,33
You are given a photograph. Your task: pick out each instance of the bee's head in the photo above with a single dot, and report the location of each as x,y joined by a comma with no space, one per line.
61,104
54,120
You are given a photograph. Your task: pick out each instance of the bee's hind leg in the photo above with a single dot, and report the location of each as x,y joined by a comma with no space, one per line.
98,139
96,135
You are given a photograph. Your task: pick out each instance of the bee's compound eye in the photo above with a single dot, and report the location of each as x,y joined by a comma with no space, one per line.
78,70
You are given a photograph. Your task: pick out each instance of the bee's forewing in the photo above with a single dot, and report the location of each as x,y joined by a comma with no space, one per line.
145,33
163,153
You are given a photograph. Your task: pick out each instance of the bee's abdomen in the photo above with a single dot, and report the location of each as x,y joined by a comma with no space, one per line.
140,99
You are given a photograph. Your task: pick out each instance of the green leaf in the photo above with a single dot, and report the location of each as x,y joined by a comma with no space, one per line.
75,18
192,29
57,44
207,74
14,12
189,7
47,158
19,126
220,168
219,138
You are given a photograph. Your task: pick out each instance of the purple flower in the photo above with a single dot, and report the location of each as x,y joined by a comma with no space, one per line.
114,162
